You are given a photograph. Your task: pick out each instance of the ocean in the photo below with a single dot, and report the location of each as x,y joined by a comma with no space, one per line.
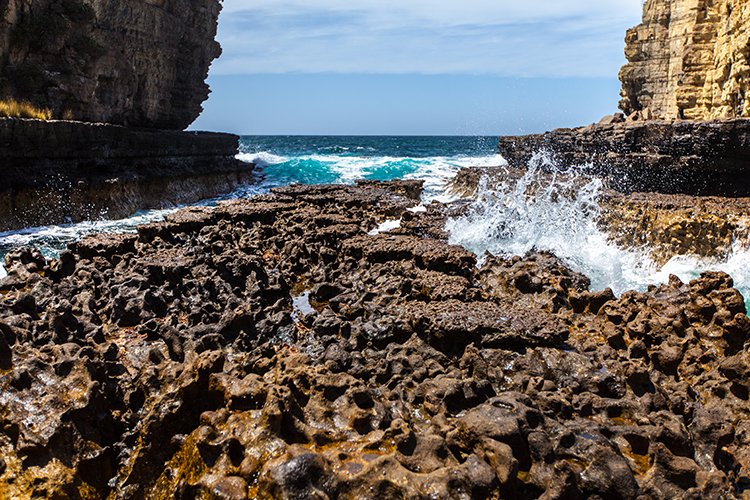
502,221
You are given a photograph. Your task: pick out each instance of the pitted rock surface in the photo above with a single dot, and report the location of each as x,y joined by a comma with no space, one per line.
273,348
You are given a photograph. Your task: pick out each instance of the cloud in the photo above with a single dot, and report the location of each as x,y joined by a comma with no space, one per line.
499,37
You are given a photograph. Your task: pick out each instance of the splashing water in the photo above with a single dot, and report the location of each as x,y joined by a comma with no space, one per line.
302,160
435,171
546,208
51,240
551,209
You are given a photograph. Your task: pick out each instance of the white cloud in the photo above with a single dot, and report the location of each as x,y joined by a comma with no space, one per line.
503,37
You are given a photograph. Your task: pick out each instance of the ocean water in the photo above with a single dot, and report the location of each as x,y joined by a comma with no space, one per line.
324,160
503,220
285,160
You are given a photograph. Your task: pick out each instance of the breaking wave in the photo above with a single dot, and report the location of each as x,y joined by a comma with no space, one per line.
545,208
553,209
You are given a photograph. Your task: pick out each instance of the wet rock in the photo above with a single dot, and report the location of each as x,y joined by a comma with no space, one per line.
689,157
229,488
176,362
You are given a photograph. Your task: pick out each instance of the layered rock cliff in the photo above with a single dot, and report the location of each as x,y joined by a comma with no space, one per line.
55,172
689,59
140,63
688,157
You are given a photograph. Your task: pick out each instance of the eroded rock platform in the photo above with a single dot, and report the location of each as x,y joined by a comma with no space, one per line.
279,347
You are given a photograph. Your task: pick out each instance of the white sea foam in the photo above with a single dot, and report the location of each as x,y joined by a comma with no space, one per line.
435,171
50,240
262,158
503,220
560,216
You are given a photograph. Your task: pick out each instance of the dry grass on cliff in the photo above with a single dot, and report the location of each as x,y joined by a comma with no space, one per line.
17,109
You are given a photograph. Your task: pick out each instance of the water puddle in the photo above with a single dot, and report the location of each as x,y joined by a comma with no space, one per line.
301,303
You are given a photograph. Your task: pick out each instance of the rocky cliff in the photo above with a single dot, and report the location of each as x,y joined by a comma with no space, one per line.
57,171
689,59
140,63
688,157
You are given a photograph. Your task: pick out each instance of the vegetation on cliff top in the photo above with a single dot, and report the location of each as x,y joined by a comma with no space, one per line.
18,109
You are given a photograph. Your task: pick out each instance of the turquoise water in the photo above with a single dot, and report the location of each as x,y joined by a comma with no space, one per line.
503,220
340,159
284,160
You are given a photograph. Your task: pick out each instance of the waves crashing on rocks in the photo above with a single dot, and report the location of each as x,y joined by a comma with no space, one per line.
543,208
547,208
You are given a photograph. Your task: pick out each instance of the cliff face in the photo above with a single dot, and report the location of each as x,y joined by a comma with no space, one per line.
56,172
140,63
689,59
687,157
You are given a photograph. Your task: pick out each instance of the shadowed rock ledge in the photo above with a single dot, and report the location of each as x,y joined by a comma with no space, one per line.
695,158
278,347
55,172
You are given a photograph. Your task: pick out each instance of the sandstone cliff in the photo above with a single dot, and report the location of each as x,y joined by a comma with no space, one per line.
140,63
689,59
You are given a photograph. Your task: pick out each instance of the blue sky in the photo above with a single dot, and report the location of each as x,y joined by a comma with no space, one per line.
415,66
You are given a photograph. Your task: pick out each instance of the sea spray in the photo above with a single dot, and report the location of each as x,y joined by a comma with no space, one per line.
296,160
557,210
544,208
435,171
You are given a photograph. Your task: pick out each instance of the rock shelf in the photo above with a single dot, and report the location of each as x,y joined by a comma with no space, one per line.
173,363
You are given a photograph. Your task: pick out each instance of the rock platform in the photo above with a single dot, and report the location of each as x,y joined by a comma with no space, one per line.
696,158
281,347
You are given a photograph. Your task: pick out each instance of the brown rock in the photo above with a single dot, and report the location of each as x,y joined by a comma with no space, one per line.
695,158
175,362
61,171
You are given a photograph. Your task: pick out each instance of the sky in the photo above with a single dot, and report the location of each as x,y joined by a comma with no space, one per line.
415,67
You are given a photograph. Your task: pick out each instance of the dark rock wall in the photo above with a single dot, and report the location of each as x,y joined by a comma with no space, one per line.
140,63
696,158
59,171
